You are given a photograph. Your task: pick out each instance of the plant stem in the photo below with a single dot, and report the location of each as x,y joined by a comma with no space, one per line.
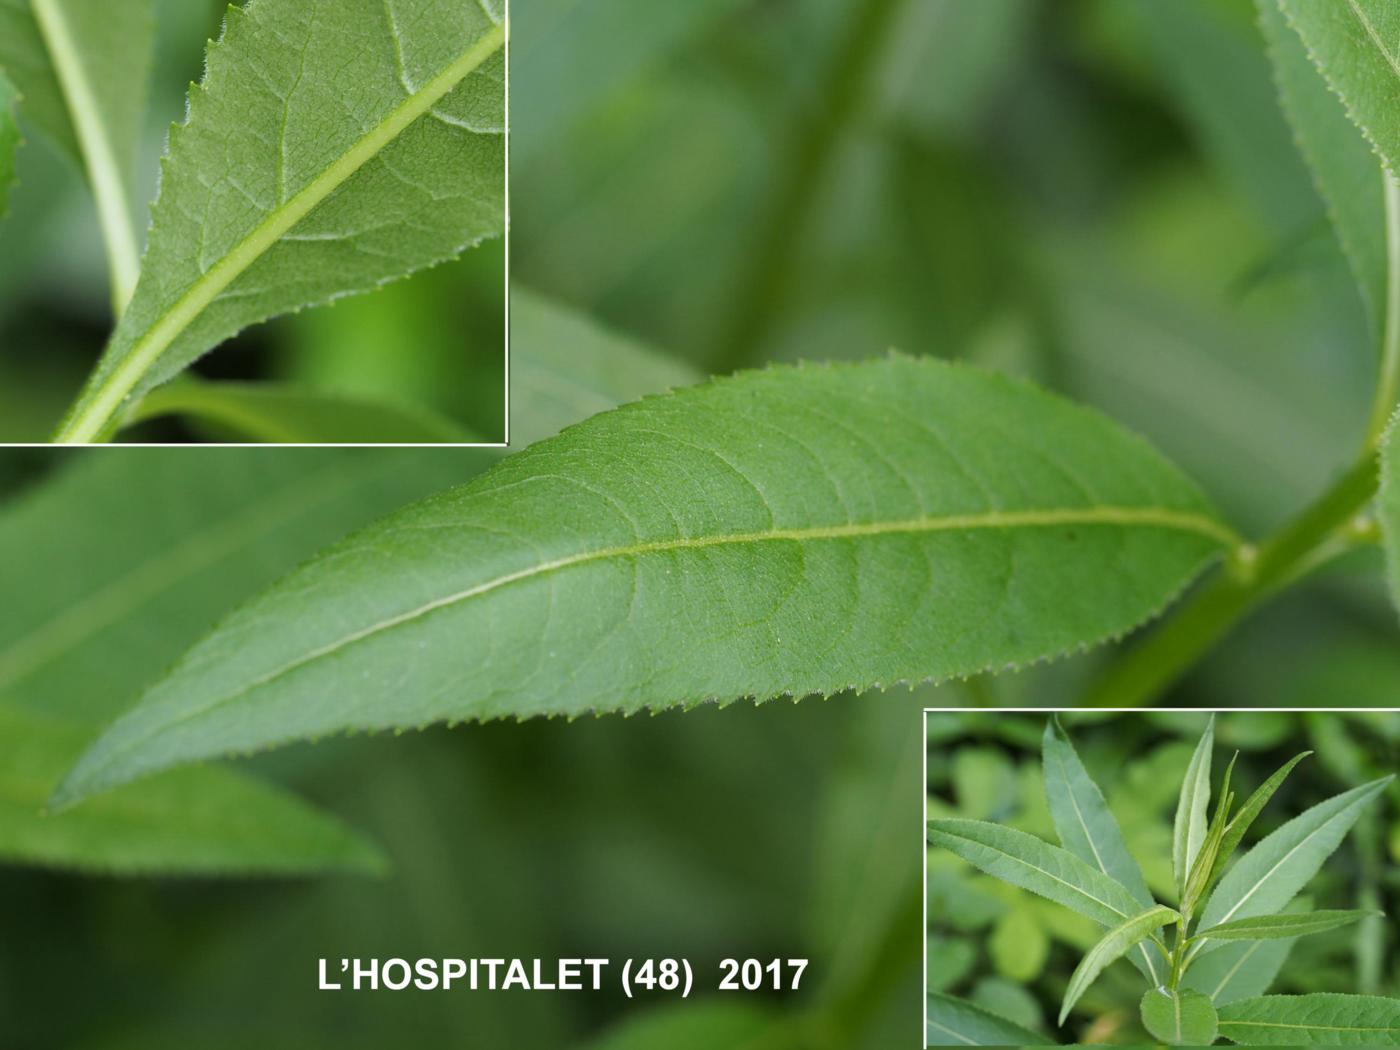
99,154
1143,673
770,268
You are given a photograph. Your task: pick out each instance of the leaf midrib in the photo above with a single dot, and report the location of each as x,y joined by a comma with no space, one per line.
1151,517
108,396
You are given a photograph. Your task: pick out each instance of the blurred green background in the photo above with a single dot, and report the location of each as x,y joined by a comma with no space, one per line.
1101,194
432,345
1013,952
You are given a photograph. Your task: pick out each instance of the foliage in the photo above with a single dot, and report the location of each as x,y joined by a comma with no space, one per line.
1217,919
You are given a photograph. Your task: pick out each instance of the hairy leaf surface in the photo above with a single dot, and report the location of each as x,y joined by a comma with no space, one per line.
1356,45
1033,864
208,821
1273,927
954,1022
1269,875
1117,942
1318,1019
81,68
1180,1018
786,532
277,413
1343,164
333,145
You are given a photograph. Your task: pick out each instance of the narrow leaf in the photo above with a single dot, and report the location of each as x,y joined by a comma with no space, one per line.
1319,1019
954,1022
1238,970
1267,877
1271,927
287,415
1033,864
1356,45
1189,829
1113,946
1180,1018
81,68
190,821
785,532
1341,160
1245,817
1088,829
333,145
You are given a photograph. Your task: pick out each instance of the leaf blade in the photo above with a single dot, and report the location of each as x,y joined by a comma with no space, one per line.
954,1022
1189,828
595,535
1274,927
1116,943
312,220
1317,1019
1179,1018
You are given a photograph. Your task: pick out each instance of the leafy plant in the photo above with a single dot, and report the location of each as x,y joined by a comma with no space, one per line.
1217,904
325,153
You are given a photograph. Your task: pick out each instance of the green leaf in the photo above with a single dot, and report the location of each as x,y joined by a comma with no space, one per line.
81,68
1189,828
1388,505
1087,828
1238,970
1268,876
1018,945
1356,45
1116,943
785,532
1181,1018
9,142
1271,927
1342,162
1240,823
207,821
565,367
330,148
287,415
1319,1019
953,1022
1032,864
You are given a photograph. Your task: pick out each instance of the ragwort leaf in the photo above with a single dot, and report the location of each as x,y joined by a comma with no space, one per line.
785,532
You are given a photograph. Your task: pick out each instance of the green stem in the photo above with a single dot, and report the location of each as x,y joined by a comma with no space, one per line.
1145,672
770,268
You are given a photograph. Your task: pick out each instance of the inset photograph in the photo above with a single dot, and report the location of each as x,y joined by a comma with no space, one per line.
199,199
1173,877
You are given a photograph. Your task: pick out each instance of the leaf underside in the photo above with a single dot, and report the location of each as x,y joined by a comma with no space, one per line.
787,532
334,145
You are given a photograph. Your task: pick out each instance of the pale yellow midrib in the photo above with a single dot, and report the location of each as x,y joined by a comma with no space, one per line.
97,410
1150,517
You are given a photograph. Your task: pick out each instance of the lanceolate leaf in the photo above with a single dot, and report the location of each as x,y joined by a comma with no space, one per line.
190,821
1272,927
281,414
953,1022
81,68
1320,1019
1343,164
1189,830
1179,1018
333,145
1267,877
1237,970
1245,817
1033,864
1087,828
1115,944
9,142
1356,45
787,532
